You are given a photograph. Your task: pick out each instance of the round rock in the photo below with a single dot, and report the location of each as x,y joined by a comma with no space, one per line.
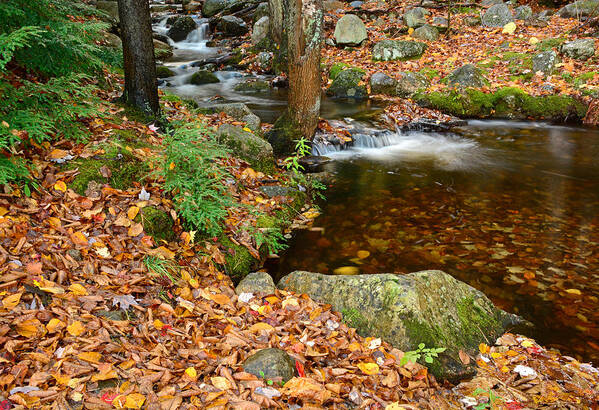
271,364
350,31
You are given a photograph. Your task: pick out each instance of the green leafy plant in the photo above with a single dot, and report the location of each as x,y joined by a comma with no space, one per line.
302,148
163,268
493,399
195,178
428,354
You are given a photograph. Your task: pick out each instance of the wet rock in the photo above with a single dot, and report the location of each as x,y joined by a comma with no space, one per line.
387,50
429,307
347,84
213,7
356,4
270,364
381,83
247,146
239,111
265,59
260,30
181,27
253,86
258,283
467,75
523,13
409,83
581,49
160,37
426,33
203,77
162,51
232,26
497,15
581,8
415,17
164,72
314,163
109,7
350,31
545,62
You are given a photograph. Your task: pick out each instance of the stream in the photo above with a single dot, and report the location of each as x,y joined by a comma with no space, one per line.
510,208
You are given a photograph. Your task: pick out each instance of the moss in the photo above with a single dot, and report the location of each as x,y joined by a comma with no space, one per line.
283,135
203,77
550,43
430,336
156,223
336,69
429,73
584,77
172,98
163,72
238,260
353,318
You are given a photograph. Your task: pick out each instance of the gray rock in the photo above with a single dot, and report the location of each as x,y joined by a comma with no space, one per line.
489,3
271,364
213,7
523,13
545,15
497,16
581,49
192,7
272,191
347,85
253,86
109,7
261,11
409,83
472,21
426,33
256,283
112,40
162,50
265,59
239,111
429,307
467,76
247,146
440,21
356,4
381,83
350,31
260,30
232,26
581,8
545,62
387,50
415,17
181,27
201,77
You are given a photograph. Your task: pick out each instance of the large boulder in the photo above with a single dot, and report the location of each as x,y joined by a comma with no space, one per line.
213,7
581,49
415,17
238,111
545,62
429,307
247,146
270,364
260,30
426,33
523,13
347,84
232,26
497,15
467,75
581,8
350,31
409,83
387,50
381,83
181,27
256,283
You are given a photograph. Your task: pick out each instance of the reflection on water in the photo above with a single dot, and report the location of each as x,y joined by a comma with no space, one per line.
515,214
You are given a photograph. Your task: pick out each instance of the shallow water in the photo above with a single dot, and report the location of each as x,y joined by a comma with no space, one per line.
510,208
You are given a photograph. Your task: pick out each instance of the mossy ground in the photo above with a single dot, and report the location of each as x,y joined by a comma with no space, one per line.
156,223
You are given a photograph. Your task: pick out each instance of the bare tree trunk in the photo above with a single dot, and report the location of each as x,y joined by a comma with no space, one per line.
275,15
303,25
141,89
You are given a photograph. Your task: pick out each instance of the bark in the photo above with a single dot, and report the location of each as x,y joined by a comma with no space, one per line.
141,88
303,27
275,15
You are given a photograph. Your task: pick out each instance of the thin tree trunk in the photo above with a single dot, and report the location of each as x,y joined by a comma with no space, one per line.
141,89
303,25
275,15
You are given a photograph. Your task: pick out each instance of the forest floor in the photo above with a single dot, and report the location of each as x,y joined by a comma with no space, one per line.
85,323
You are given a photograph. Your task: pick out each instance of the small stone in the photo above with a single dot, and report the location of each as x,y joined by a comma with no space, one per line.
545,62
440,21
381,83
181,27
270,364
467,76
163,72
388,50
356,4
347,84
350,31
232,26
581,8
258,283
247,146
203,77
426,33
409,83
497,15
415,17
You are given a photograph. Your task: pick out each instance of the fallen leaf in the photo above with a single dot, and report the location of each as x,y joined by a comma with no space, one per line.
369,368
76,328
10,302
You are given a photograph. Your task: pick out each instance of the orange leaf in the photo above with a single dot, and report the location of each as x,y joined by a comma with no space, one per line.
369,368
60,186
92,357
75,328
10,302
79,238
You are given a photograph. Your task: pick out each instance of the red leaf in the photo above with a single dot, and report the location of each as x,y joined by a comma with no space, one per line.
300,369
109,397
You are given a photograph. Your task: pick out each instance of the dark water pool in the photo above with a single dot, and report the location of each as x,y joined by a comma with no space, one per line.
510,208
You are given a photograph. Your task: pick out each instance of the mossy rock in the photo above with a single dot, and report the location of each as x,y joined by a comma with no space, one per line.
156,223
124,170
348,84
509,102
283,135
256,86
336,69
164,72
247,146
203,77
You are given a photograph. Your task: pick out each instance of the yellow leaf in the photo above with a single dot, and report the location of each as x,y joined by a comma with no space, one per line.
60,186
261,326
171,166
10,302
3,211
29,328
79,238
347,270
75,328
394,406
54,222
363,254
48,286
134,401
92,357
220,299
483,348
533,41
158,324
573,291
54,325
527,343
78,289
58,154
410,31
369,368
509,28
132,212
221,383
247,129
61,378
495,355
191,372
162,252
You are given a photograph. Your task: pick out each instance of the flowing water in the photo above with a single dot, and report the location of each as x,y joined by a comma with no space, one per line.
511,208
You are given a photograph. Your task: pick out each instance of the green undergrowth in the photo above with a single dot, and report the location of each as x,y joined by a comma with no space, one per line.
508,102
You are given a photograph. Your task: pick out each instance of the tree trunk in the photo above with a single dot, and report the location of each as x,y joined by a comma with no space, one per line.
275,15
141,89
303,26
